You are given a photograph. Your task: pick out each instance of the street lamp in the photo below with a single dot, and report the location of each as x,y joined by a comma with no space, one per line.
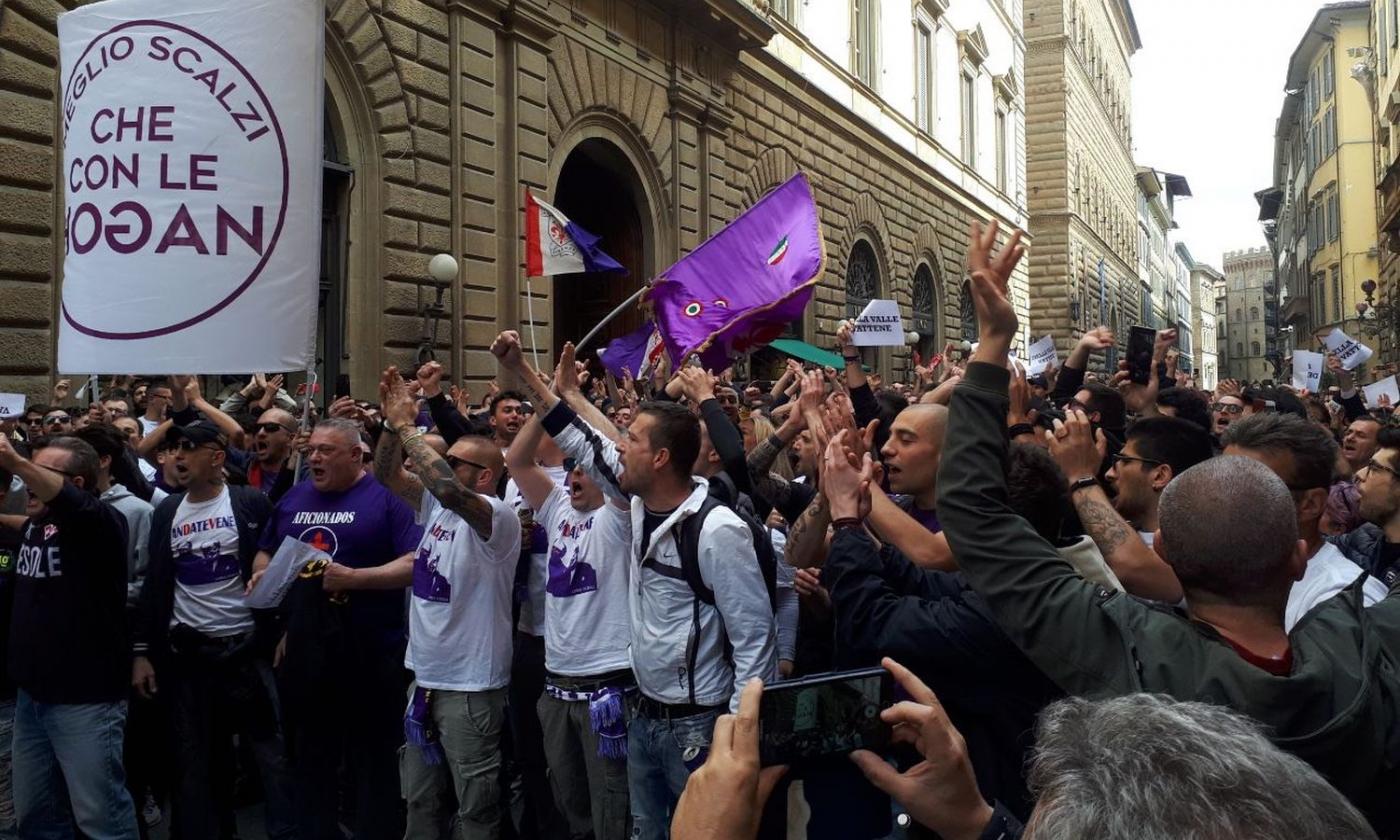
443,270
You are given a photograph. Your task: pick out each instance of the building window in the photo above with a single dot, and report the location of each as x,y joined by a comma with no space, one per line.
926,314
1328,79
864,46
1239,348
1382,29
969,118
1334,216
784,9
923,75
1337,293
862,278
1001,150
1239,315
1254,313
1254,348
967,314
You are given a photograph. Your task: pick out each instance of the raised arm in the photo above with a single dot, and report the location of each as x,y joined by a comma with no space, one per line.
1080,453
388,468
229,426
566,382
400,409
532,479
1037,598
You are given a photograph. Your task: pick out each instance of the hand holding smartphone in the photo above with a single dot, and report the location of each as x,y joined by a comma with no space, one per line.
825,714
1140,346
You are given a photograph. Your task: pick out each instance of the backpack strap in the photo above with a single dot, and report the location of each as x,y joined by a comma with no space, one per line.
687,536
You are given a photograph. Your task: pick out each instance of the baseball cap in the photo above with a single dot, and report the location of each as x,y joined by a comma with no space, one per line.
200,433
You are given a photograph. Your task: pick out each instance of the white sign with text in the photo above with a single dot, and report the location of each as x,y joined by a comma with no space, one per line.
1350,352
192,136
1042,355
879,325
1307,370
1386,387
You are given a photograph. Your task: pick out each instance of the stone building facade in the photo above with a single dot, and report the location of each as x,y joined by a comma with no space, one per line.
650,122
1249,286
1079,164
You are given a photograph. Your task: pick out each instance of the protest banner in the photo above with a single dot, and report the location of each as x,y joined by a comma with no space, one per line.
1386,387
879,325
1307,370
1350,352
11,406
192,138
1042,355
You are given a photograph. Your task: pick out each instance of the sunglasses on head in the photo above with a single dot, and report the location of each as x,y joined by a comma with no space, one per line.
454,462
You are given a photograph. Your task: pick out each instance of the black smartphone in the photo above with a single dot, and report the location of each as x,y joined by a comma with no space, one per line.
1140,341
824,714
342,385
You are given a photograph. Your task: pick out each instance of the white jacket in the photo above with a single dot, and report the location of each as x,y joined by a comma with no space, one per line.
662,607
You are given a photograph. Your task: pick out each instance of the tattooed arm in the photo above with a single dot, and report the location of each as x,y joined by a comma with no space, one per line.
1137,566
806,543
388,468
438,478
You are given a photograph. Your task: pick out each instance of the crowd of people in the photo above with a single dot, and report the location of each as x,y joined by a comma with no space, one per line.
1112,608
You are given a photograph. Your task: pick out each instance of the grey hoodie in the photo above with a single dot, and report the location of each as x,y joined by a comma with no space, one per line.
138,528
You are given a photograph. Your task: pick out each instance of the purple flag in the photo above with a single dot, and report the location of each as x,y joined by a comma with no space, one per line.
741,288
637,352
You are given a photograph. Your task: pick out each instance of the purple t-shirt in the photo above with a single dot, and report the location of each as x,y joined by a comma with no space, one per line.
926,518
362,527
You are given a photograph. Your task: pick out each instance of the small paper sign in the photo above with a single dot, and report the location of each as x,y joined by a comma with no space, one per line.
879,325
1350,352
1042,355
11,406
1307,370
1386,387
291,557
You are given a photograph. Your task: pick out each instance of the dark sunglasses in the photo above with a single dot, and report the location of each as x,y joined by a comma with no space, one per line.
454,462
59,471
55,419
570,464
187,445
273,428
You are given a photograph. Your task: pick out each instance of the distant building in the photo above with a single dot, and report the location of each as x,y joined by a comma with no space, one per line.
1253,352
1380,71
1157,193
1200,306
1079,167
1319,214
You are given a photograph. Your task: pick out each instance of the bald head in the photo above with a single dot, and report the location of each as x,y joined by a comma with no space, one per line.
278,416
1229,530
483,451
912,452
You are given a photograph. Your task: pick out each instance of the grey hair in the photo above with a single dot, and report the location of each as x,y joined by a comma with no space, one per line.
348,430
1309,446
1229,527
83,459
1147,767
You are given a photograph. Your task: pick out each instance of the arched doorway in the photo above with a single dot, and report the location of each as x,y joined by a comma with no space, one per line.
599,191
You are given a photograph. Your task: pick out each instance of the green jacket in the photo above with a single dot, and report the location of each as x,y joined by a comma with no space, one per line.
1339,710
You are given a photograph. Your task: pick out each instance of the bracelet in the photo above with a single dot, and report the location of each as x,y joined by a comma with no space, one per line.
852,359
847,522
1019,429
406,441
1082,483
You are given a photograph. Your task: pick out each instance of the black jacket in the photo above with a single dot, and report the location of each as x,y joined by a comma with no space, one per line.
1366,548
934,624
151,636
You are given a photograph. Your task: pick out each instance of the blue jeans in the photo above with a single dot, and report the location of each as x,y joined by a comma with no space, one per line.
660,757
67,762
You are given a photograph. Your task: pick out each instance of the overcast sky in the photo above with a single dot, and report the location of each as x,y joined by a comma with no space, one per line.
1207,88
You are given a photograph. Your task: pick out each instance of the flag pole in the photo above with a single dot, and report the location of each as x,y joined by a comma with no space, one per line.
611,315
530,313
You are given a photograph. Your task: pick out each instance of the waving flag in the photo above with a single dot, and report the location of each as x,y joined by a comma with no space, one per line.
555,245
637,352
741,288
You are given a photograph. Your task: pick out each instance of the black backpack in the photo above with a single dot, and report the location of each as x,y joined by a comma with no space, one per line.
687,536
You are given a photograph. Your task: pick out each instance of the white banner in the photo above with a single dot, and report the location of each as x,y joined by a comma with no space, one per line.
192,174
1042,355
1350,352
1307,370
1384,388
879,325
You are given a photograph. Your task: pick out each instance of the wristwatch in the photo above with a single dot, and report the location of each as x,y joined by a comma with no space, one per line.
1081,483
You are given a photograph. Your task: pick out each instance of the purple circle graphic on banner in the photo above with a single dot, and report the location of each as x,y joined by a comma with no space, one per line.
147,180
